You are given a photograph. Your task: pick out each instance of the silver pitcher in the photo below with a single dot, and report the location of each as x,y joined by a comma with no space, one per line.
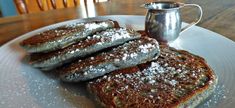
163,21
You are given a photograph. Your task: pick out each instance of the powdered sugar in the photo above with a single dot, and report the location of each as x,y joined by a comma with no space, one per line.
144,48
173,82
115,34
92,26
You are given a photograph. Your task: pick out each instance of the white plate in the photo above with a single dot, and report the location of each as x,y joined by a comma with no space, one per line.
26,87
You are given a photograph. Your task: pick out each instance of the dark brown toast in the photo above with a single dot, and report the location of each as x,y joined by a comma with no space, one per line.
126,55
63,36
97,42
176,79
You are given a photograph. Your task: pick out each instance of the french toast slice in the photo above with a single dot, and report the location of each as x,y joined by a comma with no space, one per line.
177,79
105,39
63,36
126,55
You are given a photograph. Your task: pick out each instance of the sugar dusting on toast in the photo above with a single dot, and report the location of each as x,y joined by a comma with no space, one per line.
99,41
99,38
165,82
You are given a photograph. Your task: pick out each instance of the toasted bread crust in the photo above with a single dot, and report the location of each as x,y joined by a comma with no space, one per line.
128,54
176,79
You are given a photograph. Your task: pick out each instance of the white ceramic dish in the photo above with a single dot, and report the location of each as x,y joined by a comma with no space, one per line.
26,87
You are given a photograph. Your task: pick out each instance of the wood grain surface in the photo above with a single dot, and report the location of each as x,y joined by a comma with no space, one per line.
219,16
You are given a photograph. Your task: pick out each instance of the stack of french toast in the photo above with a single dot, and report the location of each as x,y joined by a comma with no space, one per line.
122,67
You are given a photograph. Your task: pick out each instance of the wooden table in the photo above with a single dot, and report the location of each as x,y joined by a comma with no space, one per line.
219,16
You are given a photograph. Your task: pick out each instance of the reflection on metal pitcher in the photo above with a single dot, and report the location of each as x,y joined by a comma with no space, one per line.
163,21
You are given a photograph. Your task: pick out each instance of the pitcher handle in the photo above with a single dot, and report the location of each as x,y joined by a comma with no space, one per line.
195,22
